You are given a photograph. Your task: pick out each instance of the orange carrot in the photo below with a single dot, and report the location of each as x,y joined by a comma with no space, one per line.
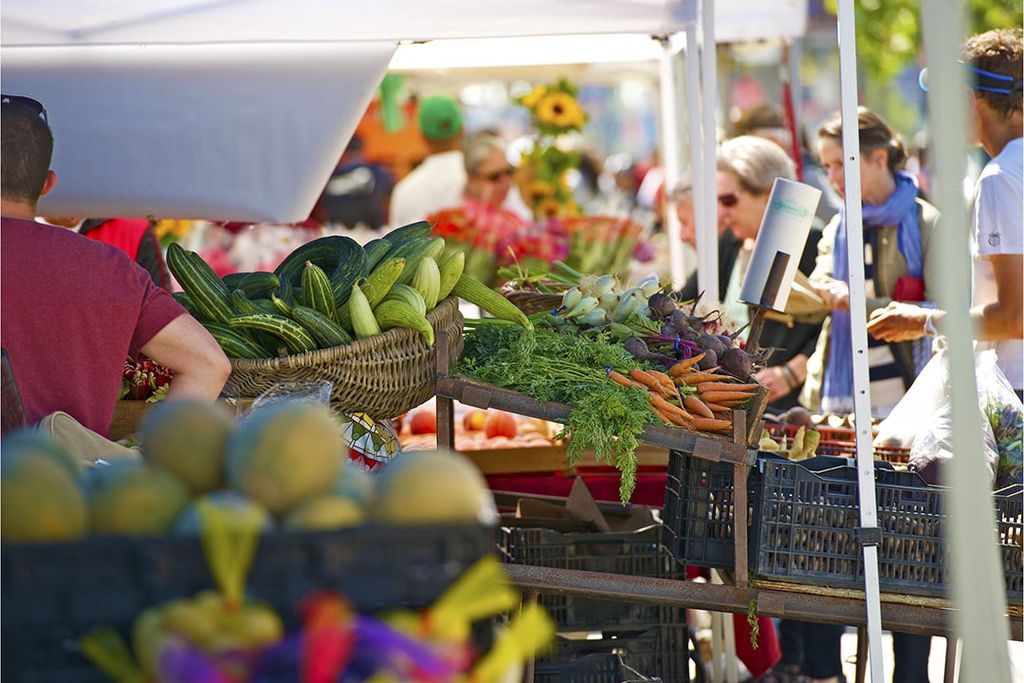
678,420
618,378
720,396
684,365
661,404
697,407
725,386
646,380
663,379
663,416
693,378
706,425
716,408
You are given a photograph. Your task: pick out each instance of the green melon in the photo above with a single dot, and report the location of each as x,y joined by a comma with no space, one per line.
35,441
187,438
131,498
40,496
284,454
232,504
432,487
325,513
354,483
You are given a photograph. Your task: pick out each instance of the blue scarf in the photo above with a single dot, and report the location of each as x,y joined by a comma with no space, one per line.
899,210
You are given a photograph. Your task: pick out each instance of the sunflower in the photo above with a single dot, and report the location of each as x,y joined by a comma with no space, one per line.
539,190
560,110
534,97
550,208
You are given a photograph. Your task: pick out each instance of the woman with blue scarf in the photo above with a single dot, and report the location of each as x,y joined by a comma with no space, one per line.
898,229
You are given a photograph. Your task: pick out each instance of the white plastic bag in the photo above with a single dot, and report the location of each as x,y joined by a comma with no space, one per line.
925,398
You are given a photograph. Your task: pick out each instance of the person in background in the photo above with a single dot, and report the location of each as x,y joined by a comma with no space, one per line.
72,308
358,192
134,236
440,180
747,168
994,61
899,229
488,173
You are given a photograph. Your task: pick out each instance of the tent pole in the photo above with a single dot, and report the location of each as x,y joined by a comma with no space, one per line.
859,339
978,586
709,62
670,140
695,121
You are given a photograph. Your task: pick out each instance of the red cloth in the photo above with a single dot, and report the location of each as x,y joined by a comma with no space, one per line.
650,490
123,233
71,311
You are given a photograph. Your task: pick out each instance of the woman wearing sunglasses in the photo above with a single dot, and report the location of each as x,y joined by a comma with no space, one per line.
747,167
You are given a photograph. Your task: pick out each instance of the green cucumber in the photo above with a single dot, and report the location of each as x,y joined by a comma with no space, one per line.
434,248
376,250
235,343
294,336
399,314
206,290
405,232
476,292
408,295
316,290
375,287
326,332
259,284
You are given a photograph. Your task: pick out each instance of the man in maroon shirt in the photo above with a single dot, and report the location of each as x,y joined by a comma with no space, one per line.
73,309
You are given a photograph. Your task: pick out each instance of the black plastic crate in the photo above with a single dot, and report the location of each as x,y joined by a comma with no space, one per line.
604,667
636,553
54,593
698,511
805,530
662,652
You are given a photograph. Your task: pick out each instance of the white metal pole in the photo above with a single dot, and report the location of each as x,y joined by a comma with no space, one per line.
696,121
859,337
709,62
975,564
670,157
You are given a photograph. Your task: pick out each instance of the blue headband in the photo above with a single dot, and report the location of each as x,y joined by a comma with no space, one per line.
988,81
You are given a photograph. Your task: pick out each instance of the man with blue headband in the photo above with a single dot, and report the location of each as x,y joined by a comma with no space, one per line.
994,60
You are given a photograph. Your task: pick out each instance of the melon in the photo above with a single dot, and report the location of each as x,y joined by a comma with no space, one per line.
40,496
432,487
233,506
354,483
187,438
32,440
285,453
325,513
130,497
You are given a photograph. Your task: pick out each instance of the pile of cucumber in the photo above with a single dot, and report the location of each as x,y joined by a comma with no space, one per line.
330,292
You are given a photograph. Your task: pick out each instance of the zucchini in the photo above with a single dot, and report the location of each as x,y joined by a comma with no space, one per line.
405,232
427,281
207,292
399,314
476,292
186,303
434,248
375,288
376,250
408,295
259,284
326,332
316,290
294,336
451,270
363,322
234,343
234,280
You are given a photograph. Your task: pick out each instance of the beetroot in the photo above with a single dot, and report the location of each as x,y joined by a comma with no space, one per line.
737,363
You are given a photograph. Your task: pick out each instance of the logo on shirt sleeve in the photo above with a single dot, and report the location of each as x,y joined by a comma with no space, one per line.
993,239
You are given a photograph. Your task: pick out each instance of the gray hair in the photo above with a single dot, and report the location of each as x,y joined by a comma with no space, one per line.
756,162
478,147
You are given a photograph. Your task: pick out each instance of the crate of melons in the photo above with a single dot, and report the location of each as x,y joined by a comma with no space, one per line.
363,317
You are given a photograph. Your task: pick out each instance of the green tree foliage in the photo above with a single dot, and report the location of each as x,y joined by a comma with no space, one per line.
889,39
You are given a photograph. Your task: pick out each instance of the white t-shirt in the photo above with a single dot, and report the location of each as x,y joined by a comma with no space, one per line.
437,183
998,228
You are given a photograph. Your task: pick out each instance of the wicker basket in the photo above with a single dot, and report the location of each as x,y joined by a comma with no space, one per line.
532,302
383,376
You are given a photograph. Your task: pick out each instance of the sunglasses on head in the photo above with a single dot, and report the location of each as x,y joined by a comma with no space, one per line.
28,105
728,200
496,175
988,81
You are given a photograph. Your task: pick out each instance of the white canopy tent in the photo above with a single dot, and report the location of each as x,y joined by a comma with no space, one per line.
156,108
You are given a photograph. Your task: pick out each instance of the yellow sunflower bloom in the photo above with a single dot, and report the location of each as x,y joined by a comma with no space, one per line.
550,208
559,109
534,97
539,190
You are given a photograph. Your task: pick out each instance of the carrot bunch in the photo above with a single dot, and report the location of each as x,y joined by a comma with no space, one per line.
674,395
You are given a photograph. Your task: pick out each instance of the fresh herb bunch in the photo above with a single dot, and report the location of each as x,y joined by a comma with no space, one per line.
568,368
